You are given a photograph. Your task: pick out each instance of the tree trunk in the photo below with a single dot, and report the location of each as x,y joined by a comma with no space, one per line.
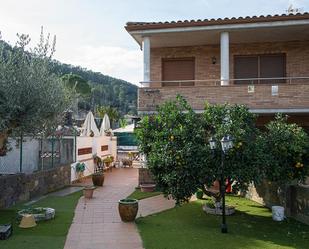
3,142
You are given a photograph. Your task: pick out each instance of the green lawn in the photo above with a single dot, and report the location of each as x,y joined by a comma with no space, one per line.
188,227
47,234
139,195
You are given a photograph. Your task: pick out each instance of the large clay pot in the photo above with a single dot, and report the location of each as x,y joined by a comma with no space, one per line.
88,192
128,209
98,179
148,187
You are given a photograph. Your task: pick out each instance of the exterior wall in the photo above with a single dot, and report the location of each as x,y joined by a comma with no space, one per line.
22,187
95,144
297,58
289,96
295,199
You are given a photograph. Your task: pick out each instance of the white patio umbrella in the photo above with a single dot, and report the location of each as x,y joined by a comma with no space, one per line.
105,126
90,125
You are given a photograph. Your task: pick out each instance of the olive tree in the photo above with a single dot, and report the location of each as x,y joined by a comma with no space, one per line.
32,99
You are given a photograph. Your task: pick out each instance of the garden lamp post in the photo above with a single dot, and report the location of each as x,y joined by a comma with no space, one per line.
226,145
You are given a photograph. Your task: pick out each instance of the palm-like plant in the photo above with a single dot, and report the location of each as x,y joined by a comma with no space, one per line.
112,113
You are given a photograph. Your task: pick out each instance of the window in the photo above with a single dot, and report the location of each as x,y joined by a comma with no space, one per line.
259,66
178,69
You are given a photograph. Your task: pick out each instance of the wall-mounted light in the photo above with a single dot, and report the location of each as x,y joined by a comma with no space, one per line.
214,60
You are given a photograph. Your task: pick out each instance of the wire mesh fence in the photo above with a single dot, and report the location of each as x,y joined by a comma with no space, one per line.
28,155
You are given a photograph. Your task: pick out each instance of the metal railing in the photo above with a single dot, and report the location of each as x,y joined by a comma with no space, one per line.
219,82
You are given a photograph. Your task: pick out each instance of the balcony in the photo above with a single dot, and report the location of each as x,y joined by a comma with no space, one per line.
261,95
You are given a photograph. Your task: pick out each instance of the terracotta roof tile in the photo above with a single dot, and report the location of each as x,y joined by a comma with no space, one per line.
131,26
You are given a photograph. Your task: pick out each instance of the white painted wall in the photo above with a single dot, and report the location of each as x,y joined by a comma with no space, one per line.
95,143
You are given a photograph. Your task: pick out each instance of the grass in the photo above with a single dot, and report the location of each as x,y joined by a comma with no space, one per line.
249,228
47,234
139,195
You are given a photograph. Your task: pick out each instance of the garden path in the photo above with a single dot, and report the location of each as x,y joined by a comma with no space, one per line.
96,222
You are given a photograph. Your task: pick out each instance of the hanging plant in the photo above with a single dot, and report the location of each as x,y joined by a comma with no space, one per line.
80,167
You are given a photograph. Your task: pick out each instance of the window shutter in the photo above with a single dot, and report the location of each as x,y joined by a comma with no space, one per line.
178,69
272,66
245,67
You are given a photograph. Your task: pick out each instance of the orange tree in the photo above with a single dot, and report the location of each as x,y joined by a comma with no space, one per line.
173,143
285,148
176,143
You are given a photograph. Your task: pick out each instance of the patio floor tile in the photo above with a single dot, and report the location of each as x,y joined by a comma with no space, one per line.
96,223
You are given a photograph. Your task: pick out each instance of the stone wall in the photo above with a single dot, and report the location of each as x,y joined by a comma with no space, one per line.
300,203
295,199
23,187
144,176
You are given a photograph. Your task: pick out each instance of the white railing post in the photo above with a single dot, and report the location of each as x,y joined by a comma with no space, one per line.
224,58
146,53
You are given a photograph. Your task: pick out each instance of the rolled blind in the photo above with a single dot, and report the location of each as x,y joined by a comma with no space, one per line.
178,69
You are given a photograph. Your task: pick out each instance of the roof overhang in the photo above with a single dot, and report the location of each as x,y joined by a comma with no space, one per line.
173,35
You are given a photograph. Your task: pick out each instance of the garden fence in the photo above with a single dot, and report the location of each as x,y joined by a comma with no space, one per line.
28,155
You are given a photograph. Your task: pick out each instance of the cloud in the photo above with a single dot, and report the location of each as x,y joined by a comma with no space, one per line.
118,62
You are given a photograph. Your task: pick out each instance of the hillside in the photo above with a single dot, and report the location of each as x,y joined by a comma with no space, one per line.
106,90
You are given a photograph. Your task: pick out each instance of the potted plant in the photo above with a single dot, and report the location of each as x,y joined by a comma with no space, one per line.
98,175
128,209
80,168
107,162
88,191
98,178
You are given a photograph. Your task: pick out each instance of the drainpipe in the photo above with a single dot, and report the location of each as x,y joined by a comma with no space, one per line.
224,58
146,53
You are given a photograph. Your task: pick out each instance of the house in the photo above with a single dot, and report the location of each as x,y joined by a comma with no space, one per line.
262,62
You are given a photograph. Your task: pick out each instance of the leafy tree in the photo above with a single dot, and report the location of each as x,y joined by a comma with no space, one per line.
241,163
123,123
32,99
77,83
110,111
176,144
286,150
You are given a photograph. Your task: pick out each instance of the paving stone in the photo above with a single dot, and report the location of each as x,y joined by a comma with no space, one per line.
96,223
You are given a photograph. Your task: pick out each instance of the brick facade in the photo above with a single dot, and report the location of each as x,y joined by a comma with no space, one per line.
294,95
297,58
290,96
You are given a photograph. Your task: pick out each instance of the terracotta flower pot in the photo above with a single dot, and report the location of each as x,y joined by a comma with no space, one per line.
148,187
88,192
128,209
98,179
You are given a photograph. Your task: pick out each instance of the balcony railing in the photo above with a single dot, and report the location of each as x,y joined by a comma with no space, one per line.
257,93
217,82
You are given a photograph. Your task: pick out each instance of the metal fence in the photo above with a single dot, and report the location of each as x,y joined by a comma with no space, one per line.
28,155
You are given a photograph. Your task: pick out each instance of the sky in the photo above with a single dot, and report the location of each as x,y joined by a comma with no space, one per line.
91,34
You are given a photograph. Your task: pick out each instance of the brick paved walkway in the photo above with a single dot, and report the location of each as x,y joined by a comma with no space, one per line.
97,225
